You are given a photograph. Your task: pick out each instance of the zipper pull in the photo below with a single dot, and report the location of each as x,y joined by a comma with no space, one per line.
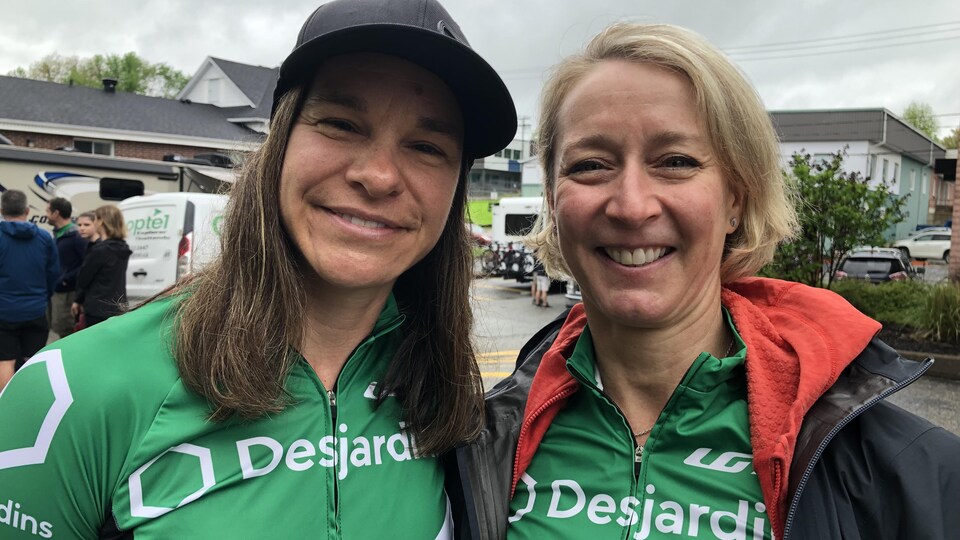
332,397
637,459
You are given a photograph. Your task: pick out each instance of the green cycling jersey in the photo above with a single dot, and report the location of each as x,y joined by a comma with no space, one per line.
693,477
99,438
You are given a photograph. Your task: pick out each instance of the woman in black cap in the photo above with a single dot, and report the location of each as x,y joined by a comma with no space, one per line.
303,385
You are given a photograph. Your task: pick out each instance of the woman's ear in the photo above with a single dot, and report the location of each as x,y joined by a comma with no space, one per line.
734,209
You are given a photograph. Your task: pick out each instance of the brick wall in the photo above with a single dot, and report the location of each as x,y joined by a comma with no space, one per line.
141,150
39,140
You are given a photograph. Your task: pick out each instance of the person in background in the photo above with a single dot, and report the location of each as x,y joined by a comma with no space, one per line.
88,229
71,247
102,282
684,398
541,286
306,382
29,269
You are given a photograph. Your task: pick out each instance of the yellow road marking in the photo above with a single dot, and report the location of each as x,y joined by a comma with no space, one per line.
495,373
524,290
498,354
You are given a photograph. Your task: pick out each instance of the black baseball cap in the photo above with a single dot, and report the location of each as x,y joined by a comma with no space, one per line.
422,32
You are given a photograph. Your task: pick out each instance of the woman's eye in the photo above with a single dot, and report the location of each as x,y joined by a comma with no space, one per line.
428,149
680,162
338,124
584,166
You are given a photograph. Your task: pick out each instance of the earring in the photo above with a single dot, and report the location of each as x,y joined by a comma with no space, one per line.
733,222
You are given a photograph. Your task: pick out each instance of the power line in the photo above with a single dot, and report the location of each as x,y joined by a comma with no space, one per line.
879,39
802,55
739,55
848,36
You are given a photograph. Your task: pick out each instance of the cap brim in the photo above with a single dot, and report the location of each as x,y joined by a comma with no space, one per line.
488,110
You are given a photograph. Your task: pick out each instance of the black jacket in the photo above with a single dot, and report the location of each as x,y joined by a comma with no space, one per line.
863,468
102,282
71,247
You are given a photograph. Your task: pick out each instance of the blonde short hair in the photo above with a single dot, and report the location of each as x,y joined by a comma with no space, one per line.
734,119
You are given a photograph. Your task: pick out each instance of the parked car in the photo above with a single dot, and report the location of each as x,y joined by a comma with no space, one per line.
876,265
926,245
925,229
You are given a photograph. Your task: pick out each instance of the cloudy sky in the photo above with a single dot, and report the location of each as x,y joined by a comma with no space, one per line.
801,54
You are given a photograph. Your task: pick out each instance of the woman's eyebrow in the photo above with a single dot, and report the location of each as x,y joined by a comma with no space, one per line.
337,98
442,127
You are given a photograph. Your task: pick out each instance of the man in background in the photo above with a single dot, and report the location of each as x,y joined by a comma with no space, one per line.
71,247
29,269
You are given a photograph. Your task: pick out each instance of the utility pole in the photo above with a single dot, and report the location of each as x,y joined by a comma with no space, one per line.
524,149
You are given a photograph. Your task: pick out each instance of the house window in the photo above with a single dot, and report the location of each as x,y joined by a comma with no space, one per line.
213,90
873,166
896,174
516,154
885,168
923,184
93,146
913,179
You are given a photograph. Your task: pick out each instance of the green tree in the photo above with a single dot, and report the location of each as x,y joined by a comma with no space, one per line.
950,141
133,74
920,116
838,211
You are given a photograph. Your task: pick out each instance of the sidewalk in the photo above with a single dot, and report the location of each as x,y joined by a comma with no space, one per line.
946,366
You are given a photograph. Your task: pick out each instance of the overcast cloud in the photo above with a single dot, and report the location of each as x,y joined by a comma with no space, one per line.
523,38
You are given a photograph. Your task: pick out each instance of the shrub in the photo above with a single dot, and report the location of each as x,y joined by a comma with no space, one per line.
939,317
894,302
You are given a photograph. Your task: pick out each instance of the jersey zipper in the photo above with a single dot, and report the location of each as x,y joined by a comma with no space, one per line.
332,398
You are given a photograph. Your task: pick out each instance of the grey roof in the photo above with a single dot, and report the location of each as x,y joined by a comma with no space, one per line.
878,126
256,82
39,101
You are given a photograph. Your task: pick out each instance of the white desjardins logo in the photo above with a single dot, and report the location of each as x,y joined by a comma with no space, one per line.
260,456
568,500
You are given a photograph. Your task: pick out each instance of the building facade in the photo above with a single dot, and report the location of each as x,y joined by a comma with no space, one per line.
878,145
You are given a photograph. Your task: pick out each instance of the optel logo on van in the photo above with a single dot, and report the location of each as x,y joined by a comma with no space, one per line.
157,222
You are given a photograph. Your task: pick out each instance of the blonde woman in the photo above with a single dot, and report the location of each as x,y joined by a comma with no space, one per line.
684,399
102,281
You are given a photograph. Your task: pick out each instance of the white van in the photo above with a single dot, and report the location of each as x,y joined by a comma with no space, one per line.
171,235
513,217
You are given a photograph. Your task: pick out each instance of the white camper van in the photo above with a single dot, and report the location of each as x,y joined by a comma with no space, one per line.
89,181
172,235
507,257
513,218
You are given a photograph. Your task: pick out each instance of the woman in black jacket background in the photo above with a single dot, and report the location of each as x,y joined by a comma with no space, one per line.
102,282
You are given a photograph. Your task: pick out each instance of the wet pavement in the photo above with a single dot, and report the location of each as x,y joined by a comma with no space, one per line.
505,318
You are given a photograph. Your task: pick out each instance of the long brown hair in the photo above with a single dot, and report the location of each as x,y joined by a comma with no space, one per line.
243,313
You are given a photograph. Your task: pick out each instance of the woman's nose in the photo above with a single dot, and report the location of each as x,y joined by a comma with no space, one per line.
375,170
635,197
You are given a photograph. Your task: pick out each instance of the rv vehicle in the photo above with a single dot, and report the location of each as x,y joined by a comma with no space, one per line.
507,257
89,181
171,235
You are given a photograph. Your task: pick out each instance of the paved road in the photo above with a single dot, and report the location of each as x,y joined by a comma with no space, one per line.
505,318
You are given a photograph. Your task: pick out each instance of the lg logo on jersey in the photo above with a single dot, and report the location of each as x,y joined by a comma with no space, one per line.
728,462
